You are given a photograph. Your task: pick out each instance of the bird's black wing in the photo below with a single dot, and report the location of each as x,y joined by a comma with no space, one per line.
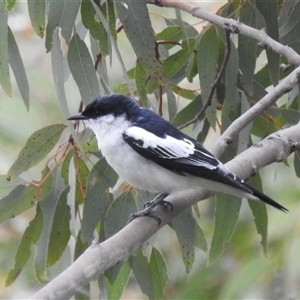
182,155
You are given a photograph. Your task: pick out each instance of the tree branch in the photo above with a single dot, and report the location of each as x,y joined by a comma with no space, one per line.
100,257
237,27
266,102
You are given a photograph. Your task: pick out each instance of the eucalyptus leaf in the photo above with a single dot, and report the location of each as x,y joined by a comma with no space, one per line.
184,225
29,238
226,215
4,67
98,198
18,69
81,67
60,231
38,145
36,10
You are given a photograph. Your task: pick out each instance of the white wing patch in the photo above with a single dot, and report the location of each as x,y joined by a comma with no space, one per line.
170,148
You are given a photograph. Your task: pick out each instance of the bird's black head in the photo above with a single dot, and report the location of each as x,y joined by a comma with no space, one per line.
113,104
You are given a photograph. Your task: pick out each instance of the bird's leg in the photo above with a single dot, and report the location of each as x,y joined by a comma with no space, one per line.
148,208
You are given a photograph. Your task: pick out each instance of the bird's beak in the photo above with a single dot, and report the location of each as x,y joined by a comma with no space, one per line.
77,117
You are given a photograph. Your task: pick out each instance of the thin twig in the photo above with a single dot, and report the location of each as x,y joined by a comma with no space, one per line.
200,114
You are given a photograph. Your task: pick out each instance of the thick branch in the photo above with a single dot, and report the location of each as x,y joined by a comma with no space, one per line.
237,27
100,257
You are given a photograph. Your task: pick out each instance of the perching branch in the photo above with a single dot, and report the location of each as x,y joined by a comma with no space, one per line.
100,257
237,27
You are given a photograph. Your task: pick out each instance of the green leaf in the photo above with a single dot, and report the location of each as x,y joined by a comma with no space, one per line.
4,67
36,10
226,215
142,272
207,60
116,288
82,69
175,62
48,207
60,231
80,246
64,171
269,10
188,112
140,81
172,104
38,145
259,212
6,186
171,34
297,163
159,273
288,31
29,239
199,237
118,214
68,18
18,69
232,97
137,26
98,198
22,198
184,225
96,28
81,172
247,49
10,4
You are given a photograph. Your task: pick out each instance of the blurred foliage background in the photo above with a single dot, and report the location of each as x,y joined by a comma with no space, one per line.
243,271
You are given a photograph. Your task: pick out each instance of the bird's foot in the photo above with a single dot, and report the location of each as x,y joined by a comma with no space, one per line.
148,208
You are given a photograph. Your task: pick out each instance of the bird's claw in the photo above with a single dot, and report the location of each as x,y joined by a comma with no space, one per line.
149,206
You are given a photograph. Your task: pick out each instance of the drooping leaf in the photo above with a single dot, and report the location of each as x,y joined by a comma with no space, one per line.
60,231
6,186
95,27
259,212
189,112
118,214
81,67
247,49
227,211
172,104
29,238
116,288
159,273
36,10
176,62
23,197
81,172
98,198
4,67
207,60
297,163
184,226
17,67
142,272
137,26
48,207
140,80
232,98
38,145
269,10
172,34
288,31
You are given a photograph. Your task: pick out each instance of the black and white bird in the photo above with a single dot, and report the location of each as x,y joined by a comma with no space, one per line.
151,154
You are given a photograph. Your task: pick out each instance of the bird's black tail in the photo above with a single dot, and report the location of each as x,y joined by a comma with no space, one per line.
264,198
